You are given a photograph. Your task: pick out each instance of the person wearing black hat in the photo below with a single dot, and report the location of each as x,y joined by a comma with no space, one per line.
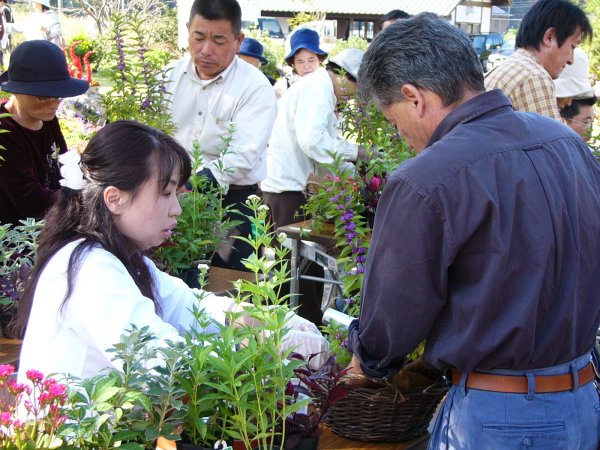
251,51
38,80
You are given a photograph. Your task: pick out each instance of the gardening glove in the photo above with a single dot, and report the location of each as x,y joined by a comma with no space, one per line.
295,322
307,343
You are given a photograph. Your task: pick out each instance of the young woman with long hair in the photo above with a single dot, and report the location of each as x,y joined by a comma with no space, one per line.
91,280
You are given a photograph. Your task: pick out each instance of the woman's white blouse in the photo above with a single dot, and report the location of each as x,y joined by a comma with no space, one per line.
104,303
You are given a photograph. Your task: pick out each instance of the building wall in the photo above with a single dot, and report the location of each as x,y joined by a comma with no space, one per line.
473,16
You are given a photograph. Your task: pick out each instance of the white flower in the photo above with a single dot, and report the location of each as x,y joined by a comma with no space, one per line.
69,158
263,208
203,267
72,176
252,198
281,237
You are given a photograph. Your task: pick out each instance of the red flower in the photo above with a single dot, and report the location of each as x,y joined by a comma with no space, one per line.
75,60
88,66
374,184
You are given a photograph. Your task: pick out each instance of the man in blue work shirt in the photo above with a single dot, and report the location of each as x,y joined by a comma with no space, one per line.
486,245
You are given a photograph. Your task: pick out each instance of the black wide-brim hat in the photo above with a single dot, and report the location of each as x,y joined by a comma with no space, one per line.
40,68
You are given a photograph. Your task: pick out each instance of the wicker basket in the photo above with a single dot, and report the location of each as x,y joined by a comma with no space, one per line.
380,412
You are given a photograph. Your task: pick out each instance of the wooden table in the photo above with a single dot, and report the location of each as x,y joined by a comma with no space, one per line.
221,281
331,441
10,350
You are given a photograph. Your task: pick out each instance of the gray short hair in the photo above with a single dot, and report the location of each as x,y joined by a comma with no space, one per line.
425,51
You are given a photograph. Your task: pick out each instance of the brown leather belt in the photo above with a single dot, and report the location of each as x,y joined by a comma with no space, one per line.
519,384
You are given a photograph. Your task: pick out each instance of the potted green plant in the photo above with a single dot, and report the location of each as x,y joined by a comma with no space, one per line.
243,364
201,227
18,244
129,407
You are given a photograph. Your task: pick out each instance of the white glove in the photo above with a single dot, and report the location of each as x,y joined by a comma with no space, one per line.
306,343
295,322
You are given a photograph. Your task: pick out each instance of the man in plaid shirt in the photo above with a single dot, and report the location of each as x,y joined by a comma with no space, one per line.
547,37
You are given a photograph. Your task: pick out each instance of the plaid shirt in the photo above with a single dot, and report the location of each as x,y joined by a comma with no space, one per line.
525,81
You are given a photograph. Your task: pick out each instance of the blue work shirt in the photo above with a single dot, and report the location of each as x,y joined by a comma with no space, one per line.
487,245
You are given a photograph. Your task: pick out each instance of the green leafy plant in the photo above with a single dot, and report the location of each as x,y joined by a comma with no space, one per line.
349,199
351,42
303,17
18,244
84,44
229,381
129,407
203,220
137,89
243,364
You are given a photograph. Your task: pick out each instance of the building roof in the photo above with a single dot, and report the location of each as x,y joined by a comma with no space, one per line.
379,7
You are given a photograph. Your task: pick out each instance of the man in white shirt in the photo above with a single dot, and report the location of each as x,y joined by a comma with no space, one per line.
214,95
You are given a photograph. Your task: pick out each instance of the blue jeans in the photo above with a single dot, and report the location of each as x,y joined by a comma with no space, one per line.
476,419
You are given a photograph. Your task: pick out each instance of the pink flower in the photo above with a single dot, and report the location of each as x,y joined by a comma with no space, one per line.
15,388
57,390
44,398
6,370
35,376
18,425
6,419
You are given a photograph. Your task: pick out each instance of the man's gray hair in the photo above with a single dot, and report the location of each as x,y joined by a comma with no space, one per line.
425,51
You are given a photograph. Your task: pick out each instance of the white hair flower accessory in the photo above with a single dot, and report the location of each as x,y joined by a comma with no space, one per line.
72,176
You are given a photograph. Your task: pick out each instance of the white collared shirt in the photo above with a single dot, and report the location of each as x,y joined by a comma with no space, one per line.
305,132
203,110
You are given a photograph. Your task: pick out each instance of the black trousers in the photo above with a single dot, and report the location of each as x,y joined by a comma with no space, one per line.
283,208
231,252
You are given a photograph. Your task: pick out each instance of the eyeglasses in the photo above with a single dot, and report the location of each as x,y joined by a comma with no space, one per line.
42,99
588,124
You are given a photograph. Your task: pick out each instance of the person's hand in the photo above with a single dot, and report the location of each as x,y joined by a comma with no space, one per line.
307,343
366,153
297,323
354,366
363,153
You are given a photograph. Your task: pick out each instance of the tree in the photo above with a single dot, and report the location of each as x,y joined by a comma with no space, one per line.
101,10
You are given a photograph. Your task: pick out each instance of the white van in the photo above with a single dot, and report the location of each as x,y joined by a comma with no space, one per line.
269,26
